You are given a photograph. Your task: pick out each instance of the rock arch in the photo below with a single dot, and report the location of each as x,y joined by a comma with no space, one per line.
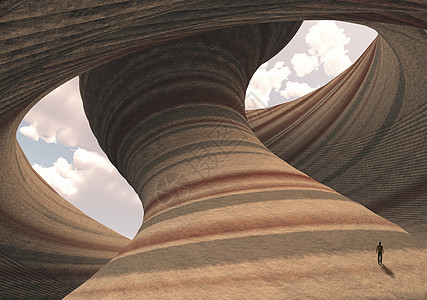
270,234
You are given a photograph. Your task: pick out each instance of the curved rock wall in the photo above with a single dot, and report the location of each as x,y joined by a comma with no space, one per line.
220,229
364,133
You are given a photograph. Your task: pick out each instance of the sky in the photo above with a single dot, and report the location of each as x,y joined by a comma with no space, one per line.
57,140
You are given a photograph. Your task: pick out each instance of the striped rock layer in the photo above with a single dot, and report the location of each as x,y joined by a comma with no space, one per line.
225,217
364,133
217,201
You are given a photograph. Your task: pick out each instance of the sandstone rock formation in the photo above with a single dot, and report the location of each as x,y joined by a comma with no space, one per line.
364,133
224,216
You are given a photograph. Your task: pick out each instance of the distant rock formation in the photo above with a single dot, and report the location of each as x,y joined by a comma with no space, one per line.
224,216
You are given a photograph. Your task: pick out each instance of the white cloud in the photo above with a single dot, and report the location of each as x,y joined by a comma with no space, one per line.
325,49
92,184
264,65
324,36
61,176
67,137
263,82
59,118
304,64
335,62
296,89
30,132
327,41
87,159
49,139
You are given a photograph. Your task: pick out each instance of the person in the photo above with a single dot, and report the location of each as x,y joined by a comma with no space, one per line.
380,250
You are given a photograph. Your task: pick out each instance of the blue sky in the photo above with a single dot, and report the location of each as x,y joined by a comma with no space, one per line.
57,140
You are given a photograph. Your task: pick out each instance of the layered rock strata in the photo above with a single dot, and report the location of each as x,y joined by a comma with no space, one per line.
217,202
48,247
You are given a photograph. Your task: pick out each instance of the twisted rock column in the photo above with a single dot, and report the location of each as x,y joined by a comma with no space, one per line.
223,214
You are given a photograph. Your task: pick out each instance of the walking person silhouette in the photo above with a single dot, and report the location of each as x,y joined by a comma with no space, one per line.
380,251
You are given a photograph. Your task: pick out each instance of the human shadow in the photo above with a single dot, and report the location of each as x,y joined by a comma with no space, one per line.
387,270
